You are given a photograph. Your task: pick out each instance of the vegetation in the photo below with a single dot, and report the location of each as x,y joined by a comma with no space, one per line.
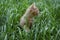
45,27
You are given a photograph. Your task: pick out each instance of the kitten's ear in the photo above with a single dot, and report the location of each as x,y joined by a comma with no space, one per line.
33,5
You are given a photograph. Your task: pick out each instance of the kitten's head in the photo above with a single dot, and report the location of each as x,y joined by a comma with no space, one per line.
34,10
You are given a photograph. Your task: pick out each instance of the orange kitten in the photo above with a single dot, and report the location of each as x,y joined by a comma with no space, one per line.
27,18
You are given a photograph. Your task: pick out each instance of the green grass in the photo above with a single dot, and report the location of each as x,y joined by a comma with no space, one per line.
45,27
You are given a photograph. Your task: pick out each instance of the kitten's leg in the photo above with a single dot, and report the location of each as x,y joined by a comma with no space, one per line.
26,29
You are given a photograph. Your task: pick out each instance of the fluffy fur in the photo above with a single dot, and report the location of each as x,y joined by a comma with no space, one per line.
28,17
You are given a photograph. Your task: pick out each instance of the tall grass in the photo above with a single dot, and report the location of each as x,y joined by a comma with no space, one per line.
46,25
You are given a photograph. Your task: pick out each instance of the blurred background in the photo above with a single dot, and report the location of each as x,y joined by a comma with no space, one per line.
45,27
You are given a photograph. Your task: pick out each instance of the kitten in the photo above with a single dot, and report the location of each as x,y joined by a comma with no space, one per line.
28,17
